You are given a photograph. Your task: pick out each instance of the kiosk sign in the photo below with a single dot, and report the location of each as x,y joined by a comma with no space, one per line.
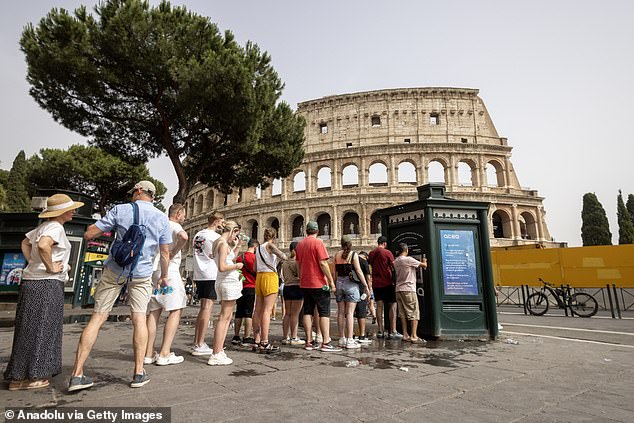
458,262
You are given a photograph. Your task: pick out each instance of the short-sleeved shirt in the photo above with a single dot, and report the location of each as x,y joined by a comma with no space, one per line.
289,273
205,268
405,267
248,260
310,252
176,228
60,251
381,260
157,232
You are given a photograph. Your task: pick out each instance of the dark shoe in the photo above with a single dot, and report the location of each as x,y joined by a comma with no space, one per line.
255,347
79,382
329,348
248,342
269,348
235,340
140,379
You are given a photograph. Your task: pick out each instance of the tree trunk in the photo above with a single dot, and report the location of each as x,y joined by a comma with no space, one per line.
183,184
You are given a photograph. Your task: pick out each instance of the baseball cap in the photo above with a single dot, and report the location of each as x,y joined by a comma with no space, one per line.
312,226
146,186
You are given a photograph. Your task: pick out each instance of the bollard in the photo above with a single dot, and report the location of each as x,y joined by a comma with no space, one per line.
610,298
616,301
524,299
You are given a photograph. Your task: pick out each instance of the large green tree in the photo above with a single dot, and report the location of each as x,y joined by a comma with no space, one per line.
4,178
626,228
92,171
142,81
595,229
18,198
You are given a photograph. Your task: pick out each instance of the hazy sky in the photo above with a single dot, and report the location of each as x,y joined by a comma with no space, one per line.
554,75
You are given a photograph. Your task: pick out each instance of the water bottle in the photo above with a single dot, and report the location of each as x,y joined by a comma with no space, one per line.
352,363
364,296
326,288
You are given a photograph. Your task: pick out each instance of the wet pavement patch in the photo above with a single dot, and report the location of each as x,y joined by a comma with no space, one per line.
249,372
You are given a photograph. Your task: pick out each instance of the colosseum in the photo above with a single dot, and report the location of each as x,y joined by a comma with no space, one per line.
370,150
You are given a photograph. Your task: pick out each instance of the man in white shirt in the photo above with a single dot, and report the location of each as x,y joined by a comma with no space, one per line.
171,297
205,272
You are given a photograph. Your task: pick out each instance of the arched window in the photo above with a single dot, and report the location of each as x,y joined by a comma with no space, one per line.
378,174
275,224
298,228
324,178
528,226
464,174
406,173
351,225
199,204
299,182
495,174
210,200
435,172
324,225
501,224
375,224
276,187
254,229
350,176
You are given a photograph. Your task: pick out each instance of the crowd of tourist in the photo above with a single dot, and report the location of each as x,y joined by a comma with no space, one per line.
245,283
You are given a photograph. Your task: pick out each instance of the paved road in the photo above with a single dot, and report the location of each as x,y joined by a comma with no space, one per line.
547,376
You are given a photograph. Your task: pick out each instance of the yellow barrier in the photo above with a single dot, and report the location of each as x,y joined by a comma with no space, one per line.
580,267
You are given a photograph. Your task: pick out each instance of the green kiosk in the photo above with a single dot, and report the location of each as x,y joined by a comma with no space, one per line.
456,293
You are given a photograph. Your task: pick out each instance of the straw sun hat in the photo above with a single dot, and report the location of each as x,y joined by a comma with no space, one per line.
58,204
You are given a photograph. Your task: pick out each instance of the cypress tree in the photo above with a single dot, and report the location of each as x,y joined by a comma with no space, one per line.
630,206
626,227
595,229
18,199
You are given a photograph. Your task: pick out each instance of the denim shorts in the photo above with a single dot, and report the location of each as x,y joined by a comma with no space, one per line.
347,290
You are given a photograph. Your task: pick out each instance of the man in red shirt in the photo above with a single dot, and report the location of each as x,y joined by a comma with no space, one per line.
381,259
316,282
244,304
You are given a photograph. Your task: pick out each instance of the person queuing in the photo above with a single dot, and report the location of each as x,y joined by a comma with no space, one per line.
228,288
205,272
267,257
171,298
406,297
381,259
316,282
293,297
36,353
350,284
361,311
245,304
158,236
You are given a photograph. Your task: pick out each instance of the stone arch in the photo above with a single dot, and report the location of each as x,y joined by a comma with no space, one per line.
501,224
377,173
297,227
324,178
375,223
407,172
350,224
528,225
274,222
299,181
199,204
324,223
437,171
350,175
494,173
276,187
467,173
210,200
252,228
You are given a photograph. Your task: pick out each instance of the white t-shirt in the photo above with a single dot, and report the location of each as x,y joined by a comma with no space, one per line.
175,262
60,251
205,268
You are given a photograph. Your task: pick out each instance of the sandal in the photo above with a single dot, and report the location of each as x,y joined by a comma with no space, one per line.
269,348
19,385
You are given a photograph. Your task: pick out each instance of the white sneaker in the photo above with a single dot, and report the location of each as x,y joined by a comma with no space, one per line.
150,360
319,339
364,340
219,359
352,344
286,341
296,341
170,359
342,341
201,349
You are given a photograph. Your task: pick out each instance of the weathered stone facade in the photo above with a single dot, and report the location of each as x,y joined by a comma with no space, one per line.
370,150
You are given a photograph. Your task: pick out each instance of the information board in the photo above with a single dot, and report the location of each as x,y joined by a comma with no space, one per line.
12,266
458,262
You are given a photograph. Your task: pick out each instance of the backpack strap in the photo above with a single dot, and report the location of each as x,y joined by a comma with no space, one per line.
264,261
135,213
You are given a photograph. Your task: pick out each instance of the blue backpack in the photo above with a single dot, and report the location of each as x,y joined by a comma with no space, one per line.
127,251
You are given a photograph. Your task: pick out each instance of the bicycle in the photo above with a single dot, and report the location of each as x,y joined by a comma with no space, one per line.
581,304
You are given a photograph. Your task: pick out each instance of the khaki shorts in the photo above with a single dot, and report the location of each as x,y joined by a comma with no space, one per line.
109,288
408,304
266,283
